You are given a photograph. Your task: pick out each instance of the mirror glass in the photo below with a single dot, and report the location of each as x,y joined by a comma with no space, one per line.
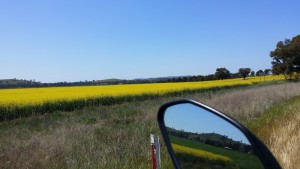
201,139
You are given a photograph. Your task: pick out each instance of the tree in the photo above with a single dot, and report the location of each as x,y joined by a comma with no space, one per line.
252,73
222,73
267,71
244,72
277,68
259,73
286,57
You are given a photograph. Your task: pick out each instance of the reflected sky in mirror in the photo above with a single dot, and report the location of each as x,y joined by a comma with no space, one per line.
191,118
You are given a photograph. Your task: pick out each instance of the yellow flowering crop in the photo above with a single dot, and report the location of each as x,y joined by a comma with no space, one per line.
200,153
24,102
39,95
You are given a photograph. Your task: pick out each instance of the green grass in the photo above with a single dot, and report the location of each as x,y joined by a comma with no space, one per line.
95,137
274,114
278,127
243,160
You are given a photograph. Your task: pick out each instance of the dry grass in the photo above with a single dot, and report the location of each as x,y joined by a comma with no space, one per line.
245,105
103,137
117,136
284,142
279,128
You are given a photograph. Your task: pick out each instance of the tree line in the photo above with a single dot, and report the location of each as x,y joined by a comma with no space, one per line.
286,61
221,73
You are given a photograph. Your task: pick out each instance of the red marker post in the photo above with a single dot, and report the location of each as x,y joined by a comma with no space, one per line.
155,151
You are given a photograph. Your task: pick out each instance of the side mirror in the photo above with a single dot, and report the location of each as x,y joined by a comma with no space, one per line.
198,136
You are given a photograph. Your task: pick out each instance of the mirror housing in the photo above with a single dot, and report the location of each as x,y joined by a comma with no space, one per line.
259,149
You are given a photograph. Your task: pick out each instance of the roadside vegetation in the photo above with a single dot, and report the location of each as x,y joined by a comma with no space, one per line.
118,136
279,128
96,137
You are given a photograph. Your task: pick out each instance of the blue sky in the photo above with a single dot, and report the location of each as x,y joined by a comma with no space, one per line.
73,40
193,119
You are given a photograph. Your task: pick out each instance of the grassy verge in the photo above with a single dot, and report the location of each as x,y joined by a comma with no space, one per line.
279,129
96,137
249,103
264,125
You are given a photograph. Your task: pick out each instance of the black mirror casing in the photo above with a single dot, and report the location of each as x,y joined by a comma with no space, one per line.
262,152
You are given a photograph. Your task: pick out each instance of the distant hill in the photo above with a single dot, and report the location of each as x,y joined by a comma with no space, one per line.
110,81
16,81
213,139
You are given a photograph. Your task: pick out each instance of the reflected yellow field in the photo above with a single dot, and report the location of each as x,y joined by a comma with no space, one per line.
200,153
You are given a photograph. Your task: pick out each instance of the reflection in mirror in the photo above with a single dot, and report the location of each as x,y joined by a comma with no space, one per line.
201,139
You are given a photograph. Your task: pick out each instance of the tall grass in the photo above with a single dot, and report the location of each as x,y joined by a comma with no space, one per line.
246,105
279,128
96,137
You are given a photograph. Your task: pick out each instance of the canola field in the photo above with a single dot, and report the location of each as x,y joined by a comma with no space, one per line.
200,153
16,103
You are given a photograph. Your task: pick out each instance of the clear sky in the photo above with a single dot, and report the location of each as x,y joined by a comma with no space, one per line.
194,119
72,40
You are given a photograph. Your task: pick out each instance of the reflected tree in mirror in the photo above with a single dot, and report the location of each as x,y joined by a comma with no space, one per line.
201,139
